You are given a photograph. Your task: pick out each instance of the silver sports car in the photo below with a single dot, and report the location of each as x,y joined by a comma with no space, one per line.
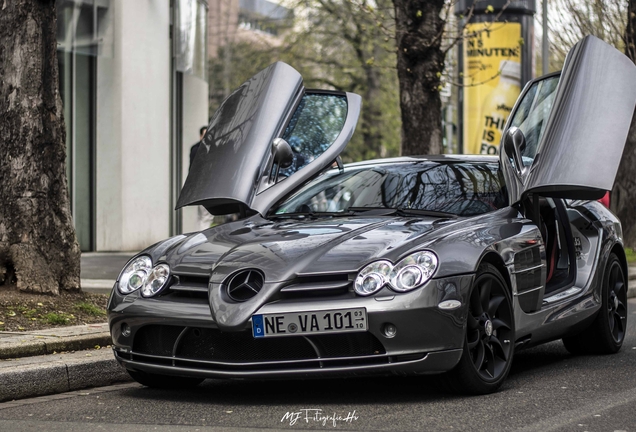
413,265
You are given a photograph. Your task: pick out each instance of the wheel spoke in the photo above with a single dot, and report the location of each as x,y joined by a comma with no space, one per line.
499,324
619,320
618,287
497,346
613,275
472,322
490,365
621,306
472,344
478,360
496,365
494,304
475,305
615,330
484,295
612,322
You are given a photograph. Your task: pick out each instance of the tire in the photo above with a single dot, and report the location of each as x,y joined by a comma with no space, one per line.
489,338
607,332
164,381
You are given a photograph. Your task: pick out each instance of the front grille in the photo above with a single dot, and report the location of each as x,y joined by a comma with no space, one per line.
208,344
303,286
156,339
309,286
241,347
348,345
195,287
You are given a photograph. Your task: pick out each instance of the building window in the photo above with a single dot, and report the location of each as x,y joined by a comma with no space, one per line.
82,29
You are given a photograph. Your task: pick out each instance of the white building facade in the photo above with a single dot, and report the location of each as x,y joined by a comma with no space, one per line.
133,79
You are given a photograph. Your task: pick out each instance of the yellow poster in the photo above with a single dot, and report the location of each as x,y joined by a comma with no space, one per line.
492,83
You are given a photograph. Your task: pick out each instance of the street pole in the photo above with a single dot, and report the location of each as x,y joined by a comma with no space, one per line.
449,129
545,56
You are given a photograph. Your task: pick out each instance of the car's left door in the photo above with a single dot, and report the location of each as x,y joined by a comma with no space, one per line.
270,129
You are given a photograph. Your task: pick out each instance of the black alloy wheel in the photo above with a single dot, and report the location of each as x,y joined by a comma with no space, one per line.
616,303
489,341
489,328
607,332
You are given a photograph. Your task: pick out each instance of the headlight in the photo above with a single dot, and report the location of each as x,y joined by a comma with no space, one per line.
134,274
156,280
139,273
409,273
372,277
413,271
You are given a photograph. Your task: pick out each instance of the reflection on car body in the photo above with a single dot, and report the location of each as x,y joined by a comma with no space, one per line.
411,265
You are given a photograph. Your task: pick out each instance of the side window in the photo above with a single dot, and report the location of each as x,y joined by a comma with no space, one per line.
532,114
314,126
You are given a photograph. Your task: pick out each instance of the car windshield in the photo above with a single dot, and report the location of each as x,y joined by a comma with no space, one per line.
457,188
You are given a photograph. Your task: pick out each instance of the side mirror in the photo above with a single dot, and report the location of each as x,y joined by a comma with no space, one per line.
514,143
283,154
283,157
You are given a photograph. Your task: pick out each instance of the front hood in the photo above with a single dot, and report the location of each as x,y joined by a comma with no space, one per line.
284,250
287,248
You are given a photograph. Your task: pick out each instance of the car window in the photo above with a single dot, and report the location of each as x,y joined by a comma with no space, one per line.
460,188
314,126
532,114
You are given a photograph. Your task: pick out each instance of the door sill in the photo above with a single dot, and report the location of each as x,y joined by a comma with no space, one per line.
572,291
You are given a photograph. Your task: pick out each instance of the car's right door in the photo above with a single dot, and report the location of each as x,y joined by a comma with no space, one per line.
574,126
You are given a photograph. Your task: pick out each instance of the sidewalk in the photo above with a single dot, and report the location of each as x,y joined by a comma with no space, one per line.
99,270
42,362
62,359
30,363
41,342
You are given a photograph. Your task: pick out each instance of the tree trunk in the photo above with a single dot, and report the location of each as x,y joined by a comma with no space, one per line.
624,194
38,247
623,199
420,62
371,112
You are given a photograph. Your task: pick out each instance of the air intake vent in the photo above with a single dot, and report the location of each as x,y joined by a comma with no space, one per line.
244,285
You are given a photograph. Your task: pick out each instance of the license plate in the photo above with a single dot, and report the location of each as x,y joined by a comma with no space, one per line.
300,323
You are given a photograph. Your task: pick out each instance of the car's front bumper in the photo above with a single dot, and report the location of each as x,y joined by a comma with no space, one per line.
427,363
180,337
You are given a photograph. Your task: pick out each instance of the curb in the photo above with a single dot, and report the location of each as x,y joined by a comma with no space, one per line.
43,375
36,348
35,343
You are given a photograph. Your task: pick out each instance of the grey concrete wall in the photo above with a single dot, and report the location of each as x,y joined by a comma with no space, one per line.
133,129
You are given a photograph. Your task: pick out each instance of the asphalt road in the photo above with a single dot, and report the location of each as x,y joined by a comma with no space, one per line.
548,389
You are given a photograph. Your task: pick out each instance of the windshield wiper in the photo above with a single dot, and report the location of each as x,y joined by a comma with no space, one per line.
309,215
371,211
402,211
364,211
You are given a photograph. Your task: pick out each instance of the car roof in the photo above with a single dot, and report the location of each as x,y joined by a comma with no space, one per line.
432,158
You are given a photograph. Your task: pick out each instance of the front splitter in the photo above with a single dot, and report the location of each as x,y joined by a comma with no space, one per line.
428,363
